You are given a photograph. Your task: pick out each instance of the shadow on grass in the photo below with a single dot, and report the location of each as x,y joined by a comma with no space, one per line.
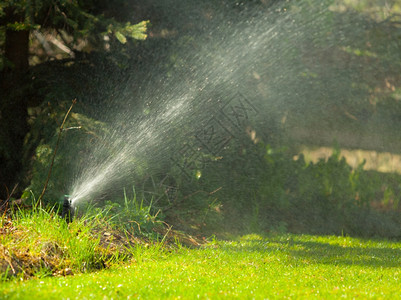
316,252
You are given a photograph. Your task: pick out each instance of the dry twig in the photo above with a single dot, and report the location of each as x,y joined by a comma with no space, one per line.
55,151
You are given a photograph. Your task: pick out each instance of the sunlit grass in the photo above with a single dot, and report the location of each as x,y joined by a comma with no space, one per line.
37,243
250,267
385,162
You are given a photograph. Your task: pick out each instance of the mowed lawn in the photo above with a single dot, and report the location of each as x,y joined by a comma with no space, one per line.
277,266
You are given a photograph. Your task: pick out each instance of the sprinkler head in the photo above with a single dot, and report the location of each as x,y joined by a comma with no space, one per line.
68,211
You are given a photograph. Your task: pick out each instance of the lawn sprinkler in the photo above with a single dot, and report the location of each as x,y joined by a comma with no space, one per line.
68,210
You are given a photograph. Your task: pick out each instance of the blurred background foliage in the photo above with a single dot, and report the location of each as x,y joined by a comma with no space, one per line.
347,81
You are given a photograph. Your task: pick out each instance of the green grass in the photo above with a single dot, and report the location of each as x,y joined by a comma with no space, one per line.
37,243
295,266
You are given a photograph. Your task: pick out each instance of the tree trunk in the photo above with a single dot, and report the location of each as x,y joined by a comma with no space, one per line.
14,127
13,103
17,50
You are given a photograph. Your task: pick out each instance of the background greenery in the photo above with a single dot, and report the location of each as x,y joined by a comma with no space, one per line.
347,79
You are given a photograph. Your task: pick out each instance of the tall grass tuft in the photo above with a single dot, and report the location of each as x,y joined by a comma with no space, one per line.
44,241
131,214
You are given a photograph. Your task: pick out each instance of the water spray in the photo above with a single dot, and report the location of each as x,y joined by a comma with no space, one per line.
68,210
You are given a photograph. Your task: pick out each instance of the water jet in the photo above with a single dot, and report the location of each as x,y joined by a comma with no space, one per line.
195,116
